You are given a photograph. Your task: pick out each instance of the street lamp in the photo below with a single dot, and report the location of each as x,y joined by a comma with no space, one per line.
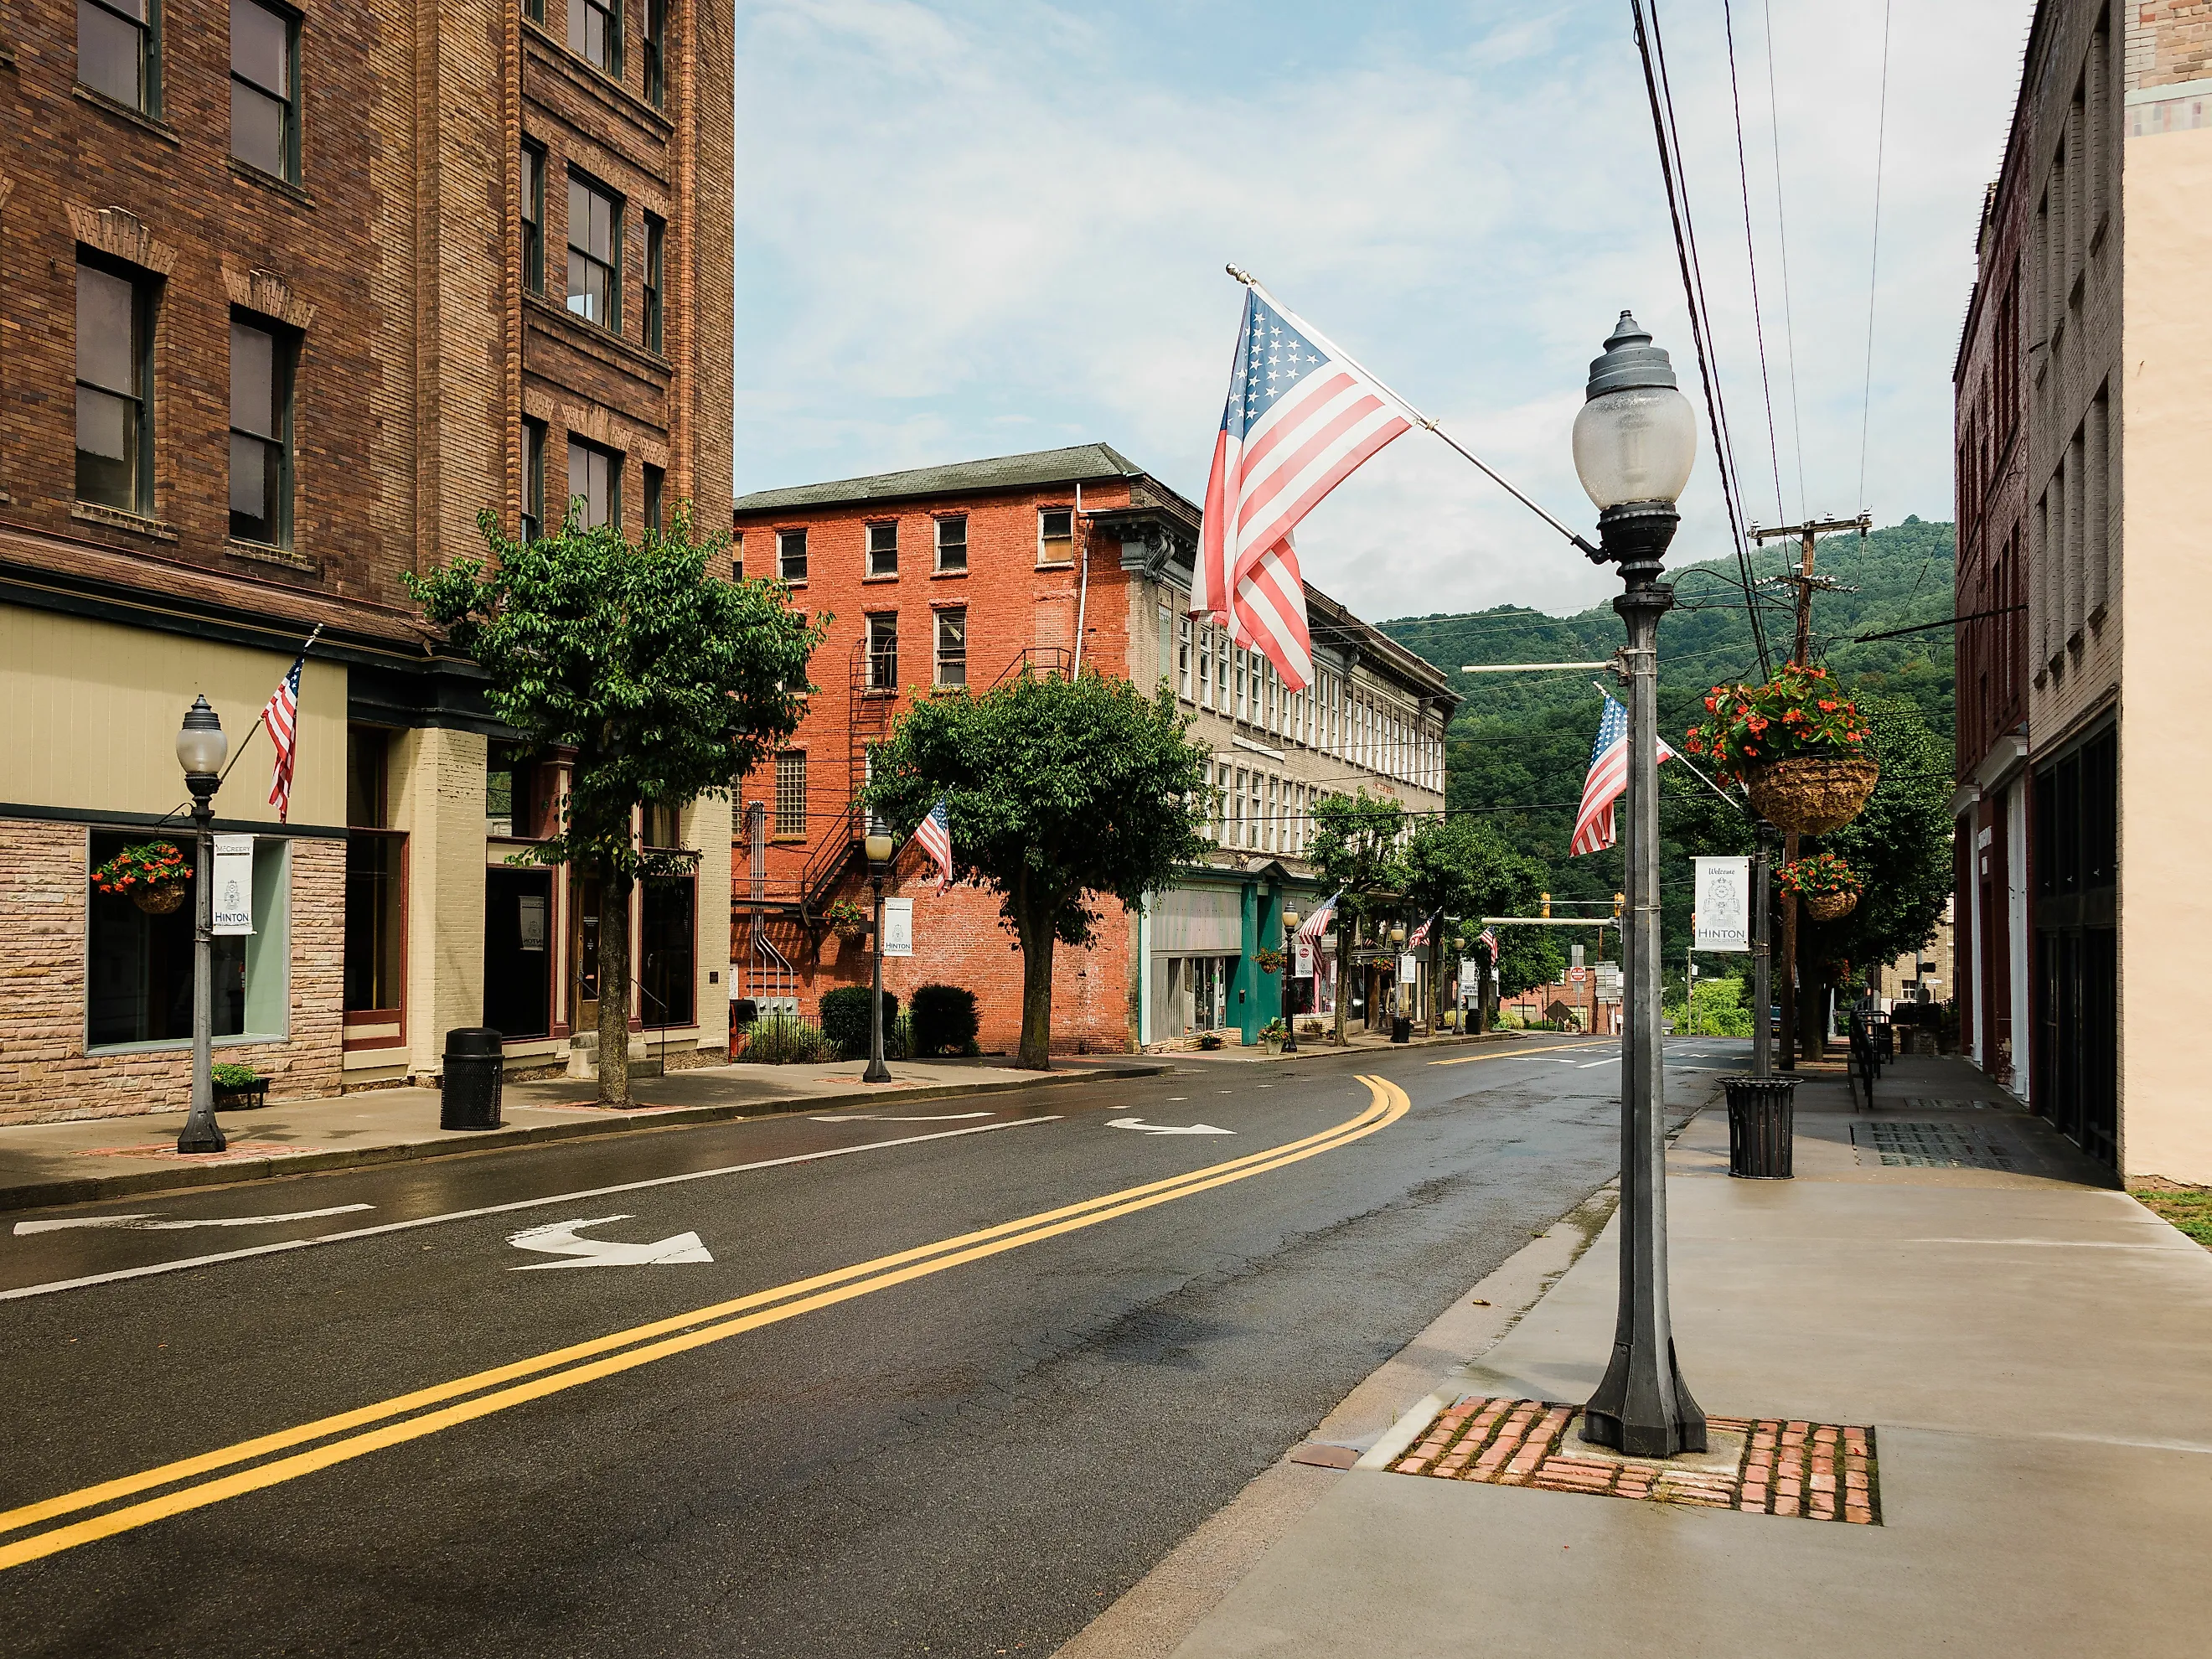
878,848
1635,440
1290,961
201,746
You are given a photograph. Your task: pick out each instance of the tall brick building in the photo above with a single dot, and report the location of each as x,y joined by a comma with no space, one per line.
2083,416
1054,561
293,298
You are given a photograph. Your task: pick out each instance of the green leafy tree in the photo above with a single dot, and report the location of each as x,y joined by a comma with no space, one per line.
1463,867
1527,957
1901,847
1059,793
668,685
1356,843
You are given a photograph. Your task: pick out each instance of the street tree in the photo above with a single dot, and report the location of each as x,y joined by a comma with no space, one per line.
1060,794
1449,868
1900,845
667,684
1357,842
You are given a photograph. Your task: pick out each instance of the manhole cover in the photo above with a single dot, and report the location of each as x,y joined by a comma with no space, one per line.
1931,1145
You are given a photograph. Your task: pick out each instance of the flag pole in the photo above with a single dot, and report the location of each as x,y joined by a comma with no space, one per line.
1694,771
1420,419
255,732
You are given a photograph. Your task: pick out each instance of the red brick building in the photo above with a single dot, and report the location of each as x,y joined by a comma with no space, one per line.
959,575
293,298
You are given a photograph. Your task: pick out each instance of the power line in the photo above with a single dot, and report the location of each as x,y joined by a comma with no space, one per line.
1873,262
1751,261
1782,239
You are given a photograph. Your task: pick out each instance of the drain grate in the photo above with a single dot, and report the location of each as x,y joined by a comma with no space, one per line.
1931,1145
1924,1103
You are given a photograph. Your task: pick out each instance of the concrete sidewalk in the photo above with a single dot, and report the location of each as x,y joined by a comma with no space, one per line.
2030,1350
85,1159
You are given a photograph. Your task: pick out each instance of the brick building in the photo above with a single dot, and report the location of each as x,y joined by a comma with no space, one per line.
963,574
293,297
2102,225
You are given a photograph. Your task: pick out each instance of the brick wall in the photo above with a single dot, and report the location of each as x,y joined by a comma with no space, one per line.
45,1072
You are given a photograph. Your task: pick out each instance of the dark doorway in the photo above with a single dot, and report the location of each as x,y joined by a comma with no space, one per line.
518,952
2076,866
665,975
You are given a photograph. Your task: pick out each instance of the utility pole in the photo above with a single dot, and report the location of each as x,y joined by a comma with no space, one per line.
1805,582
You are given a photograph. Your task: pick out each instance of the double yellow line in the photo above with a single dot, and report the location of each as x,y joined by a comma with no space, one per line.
194,1482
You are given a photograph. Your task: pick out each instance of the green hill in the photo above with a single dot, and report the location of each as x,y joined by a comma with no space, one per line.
1518,747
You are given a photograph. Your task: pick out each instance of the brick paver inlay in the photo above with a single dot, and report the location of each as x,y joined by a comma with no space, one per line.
1817,1471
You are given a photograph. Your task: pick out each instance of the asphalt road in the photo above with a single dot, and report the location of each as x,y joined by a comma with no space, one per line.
944,1378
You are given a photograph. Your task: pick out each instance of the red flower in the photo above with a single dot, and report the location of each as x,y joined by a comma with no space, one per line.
1827,706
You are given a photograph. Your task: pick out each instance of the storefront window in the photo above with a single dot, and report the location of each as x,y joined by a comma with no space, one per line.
669,905
139,980
375,881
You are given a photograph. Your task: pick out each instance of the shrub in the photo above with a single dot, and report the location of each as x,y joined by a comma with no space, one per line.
233,1077
845,1020
785,1040
945,1020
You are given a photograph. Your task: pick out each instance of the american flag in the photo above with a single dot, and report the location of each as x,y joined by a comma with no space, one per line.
1489,937
1421,933
281,714
1607,779
1300,418
935,835
1315,925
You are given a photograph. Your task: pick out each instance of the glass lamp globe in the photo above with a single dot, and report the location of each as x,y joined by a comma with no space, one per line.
878,848
1291,919
201,744
1397,936
1636,438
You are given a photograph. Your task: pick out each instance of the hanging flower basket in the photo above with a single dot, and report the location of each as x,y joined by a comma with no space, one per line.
1797,745
1828,887
1269,960
153,876
848,920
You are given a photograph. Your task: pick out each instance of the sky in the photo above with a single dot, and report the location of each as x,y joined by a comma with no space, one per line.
971,229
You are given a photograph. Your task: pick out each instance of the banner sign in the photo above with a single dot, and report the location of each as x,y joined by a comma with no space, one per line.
1470,977
1409,968
899,927
530,922
1304,966
1721,920
234,884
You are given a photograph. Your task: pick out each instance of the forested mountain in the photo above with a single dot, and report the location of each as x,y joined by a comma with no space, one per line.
1519,746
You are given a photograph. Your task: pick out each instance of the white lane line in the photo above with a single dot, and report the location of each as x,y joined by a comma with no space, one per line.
147,1221
870,1117
502,1209
1615,1060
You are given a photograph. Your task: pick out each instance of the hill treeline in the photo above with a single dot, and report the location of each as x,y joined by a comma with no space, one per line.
1518,747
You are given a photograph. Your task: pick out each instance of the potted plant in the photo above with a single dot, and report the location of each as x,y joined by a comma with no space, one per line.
1209,1040
1828,887
1272,1034
152,875
1795,744
1269,959
237,1087
848,920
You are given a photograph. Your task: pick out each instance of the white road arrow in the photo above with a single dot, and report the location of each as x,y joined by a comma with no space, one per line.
149,1222
559,1238
1139,1123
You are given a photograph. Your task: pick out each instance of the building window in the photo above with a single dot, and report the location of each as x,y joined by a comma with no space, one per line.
114,391
115,52
265,111
882,549
595,482
656,51
533,479
953,647
1182,659
533,218
883,652
737,556
260,435
595,33
518,803
139,968
594,254
656,234
655,481
952,543
1056,535
375,879
1221,799
1205,668
790,795
791,555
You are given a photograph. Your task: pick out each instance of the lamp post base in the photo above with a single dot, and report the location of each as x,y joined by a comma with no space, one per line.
202,1133
1643,1411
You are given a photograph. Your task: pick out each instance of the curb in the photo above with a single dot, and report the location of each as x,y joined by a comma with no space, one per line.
83,1189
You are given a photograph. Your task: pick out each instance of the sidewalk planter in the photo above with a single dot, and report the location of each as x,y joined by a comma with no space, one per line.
241,1096
469,1092
1761,1125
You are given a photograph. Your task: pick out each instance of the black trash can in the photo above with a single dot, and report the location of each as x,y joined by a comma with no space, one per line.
469,1099
1402,1027
1761,1125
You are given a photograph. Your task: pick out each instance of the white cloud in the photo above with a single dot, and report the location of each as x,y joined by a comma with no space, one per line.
967,229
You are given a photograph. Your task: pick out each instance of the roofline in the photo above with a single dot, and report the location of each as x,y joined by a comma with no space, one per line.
857,496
